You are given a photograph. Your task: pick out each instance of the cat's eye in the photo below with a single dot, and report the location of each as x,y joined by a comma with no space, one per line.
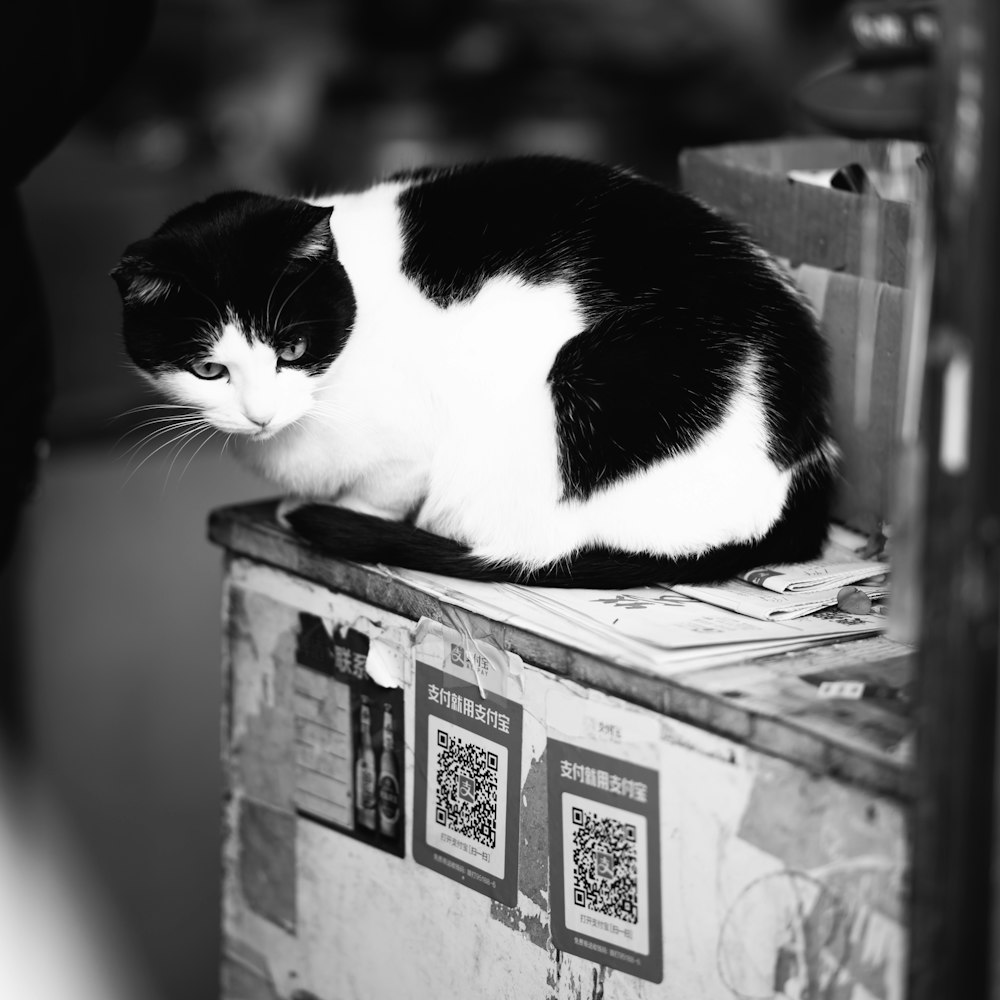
292,351
208,369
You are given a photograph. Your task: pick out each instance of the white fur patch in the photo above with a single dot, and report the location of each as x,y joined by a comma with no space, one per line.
724,490
145,289
310,249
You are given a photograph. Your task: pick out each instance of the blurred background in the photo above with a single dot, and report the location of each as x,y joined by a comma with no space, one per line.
111,599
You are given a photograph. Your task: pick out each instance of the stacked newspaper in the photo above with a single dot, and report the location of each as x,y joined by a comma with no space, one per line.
779,593
674,629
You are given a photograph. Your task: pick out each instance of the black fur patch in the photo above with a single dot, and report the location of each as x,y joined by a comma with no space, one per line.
675,301
238,251
632,389
526,216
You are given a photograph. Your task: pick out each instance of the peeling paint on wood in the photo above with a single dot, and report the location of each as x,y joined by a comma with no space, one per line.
267,862
245,974
530,925
534,862
262,732
776,881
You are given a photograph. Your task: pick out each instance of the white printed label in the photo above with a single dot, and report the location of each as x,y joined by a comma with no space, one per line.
591,721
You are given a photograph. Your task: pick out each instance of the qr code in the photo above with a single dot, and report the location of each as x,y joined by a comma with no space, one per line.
466,794
605,865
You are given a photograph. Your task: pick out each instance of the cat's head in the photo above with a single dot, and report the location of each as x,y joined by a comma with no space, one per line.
237,306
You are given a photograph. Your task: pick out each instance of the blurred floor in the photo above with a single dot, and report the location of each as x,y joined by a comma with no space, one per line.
121,596
60,940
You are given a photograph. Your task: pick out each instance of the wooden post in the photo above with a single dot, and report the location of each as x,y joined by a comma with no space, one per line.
954,922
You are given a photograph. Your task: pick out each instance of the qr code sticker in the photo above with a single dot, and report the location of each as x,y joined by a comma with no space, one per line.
605,865
466,786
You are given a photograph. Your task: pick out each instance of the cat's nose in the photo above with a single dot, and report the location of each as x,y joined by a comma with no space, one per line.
261,419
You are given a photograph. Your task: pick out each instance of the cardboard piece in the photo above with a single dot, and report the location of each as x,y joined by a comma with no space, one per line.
862,322
802,222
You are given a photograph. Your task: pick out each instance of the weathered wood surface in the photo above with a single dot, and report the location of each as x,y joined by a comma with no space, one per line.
774,881
771,705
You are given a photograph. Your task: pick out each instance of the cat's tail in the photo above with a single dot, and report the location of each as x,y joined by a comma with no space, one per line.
346,534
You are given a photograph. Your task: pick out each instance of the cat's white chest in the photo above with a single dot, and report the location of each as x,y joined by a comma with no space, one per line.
349,453
440,407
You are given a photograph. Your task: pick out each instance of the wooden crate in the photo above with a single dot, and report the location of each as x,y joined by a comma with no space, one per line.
768,823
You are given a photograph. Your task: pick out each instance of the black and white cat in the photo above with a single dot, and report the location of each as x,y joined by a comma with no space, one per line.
537,369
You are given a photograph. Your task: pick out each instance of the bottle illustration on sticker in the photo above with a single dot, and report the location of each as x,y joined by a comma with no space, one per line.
388,779
364,772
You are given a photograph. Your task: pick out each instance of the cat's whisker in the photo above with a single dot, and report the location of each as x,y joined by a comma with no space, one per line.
186,439
317,399
314,392
331,405
174,452
183,279
166,444
305,322
136,449
180,429
174,419
320,412
182,426
291,294
328,406
270,295
153,406
160,420
208,333
195,455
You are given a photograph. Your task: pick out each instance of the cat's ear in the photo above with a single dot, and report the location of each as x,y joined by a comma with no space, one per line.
137,280
317,242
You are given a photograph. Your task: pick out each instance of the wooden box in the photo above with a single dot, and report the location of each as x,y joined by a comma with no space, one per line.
765,825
